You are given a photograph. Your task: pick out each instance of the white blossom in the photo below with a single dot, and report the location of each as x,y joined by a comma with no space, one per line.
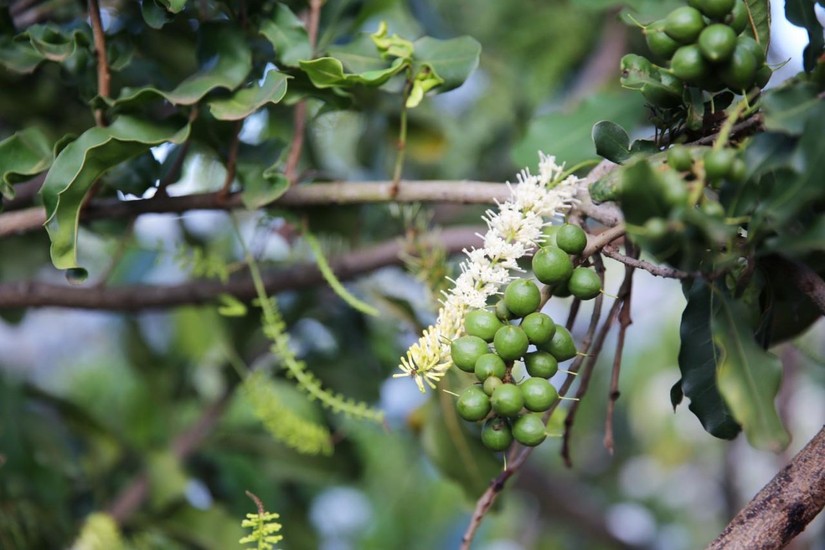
514,230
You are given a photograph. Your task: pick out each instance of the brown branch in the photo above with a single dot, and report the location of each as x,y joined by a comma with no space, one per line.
140,297
625,294
315,194
804,278
784,507
231,162
103,76
657,270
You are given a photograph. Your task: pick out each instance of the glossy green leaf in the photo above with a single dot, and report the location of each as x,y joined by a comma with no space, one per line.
697,363
260,188
248,100
566,134
360,56
612,141
23,155
227,62
328,72
748,376
288,36
154,14
759,12
452,60
802,14
56,45
788,109
80,163
18,56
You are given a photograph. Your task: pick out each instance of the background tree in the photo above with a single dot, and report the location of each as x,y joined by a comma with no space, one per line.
179,349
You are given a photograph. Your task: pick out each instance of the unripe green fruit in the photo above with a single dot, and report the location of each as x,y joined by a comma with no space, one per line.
539,394
490,364
656,229
552,265
548,233
689,64
538,327
522,296
541,364
763,76
714,9
507,400
747,43
510,342
496,434
660,44
674,190
529,430
571,238
679,158
738,171
490,385
718,163
684,24
473,404
717,42
713,209
482,323
466,350
584,283
739,73
562,346
502,312
738,18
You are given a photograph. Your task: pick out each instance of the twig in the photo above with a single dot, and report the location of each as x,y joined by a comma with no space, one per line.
103,76
625,295
784,507
657,270
804,278
299,118
141,297
231,162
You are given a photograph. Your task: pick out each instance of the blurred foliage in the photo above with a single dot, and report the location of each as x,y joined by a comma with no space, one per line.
90,403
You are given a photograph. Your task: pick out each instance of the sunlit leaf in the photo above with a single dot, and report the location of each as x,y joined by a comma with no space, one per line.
759,26
227,62
80,163
748,376
288,36
23,155
248,100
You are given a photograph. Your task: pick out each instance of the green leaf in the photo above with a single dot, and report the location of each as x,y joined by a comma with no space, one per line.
748,376
84,160
360,56
328,72
567,134
22,155
261,188
759,12
642,193
697,363
788,109
612,141
229,306
452,60
248,100
801,13
227,59
288,36
174,6
18,56
155,15
56,45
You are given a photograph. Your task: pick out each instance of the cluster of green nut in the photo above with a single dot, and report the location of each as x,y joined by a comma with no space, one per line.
705,44
516,330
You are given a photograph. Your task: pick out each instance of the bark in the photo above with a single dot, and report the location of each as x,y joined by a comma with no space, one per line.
784,507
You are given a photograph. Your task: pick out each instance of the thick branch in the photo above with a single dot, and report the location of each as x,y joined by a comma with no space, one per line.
139,297
784,507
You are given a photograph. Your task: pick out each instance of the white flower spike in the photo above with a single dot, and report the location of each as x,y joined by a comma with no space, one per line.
514,230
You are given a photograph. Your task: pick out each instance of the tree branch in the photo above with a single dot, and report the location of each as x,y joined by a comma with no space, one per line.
103,76
784,507
804,278
140,297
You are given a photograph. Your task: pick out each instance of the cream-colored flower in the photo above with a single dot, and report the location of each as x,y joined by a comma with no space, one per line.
514,230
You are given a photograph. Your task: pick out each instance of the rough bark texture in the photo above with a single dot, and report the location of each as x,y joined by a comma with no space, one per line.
784,507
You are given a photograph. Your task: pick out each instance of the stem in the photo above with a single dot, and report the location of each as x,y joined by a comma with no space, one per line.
402,138
103,75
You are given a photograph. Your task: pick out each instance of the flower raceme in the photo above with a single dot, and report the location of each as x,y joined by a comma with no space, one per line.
514,230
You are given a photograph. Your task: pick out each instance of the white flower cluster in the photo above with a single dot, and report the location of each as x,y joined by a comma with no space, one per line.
515,229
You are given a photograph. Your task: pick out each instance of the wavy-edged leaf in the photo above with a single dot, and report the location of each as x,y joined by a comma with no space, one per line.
19,56
80,163
260,188
747,375
452,60
328,72
244,102
612,141
46,42
288,36
697,363
22,155
801,13
227,60
759,25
